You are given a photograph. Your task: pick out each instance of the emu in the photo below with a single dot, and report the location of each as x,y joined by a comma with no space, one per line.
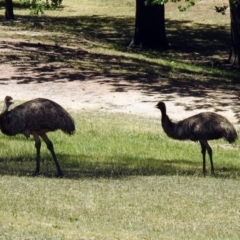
36,117
200,127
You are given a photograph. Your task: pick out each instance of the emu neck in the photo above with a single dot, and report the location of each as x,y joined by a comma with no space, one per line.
5,108
164,115
167,125
166,120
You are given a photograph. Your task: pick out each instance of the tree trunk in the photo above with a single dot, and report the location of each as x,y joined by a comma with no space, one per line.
149,26
234,57
9,10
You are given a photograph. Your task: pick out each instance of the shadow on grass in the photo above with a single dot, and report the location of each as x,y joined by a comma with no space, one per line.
123,167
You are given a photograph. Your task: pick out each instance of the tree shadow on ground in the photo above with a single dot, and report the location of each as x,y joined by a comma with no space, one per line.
86,168
66,55
199,43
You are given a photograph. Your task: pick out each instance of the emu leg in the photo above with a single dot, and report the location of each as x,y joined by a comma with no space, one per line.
207,147
209,150
204,157
51,149
38,147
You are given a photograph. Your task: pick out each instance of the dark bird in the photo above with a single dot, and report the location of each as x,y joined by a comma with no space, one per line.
36,117
200,127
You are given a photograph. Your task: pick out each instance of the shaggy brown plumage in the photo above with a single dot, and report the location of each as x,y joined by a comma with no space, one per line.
36,117
200,127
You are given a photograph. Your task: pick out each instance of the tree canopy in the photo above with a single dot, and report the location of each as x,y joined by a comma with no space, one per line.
38,6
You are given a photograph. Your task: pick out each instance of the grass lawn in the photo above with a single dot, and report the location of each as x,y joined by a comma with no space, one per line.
137,207
124,179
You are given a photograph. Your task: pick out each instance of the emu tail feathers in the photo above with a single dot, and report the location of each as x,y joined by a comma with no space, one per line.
69,127
230,134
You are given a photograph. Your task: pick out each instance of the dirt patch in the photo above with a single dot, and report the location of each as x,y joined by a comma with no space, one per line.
96,95
83,90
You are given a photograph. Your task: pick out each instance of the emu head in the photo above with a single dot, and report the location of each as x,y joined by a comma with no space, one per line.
7,102
161,106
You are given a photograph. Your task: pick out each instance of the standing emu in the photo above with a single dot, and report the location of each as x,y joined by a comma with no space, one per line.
200,127
36,117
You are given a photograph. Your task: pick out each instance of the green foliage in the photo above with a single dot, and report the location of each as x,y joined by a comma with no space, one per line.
221,9
188,4
155,2
38,6
234,2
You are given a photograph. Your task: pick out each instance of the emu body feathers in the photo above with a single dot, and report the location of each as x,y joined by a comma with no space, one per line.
200,127
39,116
206,125
36,117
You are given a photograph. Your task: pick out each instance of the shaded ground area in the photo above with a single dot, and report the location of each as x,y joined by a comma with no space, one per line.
41,73
57,59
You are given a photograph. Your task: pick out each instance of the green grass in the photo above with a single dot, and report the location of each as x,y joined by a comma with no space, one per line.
117,145
133,208
124,179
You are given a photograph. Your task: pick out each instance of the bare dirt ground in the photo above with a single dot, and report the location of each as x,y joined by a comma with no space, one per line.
96,95
101,93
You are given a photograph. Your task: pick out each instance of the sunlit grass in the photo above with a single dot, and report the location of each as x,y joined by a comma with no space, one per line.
133,208
124,179
116,145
